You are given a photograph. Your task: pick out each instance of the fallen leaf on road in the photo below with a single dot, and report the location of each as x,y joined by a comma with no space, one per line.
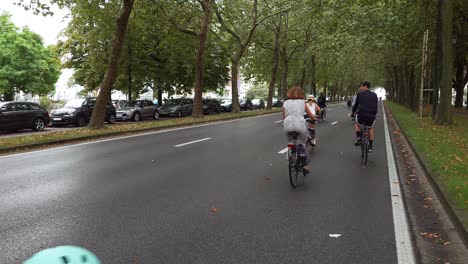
428,199
446,243
213,209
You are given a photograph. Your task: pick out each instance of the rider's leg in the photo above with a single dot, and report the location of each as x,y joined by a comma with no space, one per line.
302,139
357,128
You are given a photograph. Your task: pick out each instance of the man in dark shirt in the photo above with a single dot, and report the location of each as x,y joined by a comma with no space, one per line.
322,103
366,107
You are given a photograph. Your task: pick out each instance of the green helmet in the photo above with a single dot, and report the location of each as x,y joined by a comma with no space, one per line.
63,255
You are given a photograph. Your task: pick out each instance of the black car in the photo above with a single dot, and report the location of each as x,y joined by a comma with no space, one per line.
23,115
79,111
246,104
226,105
277,102
211,106
176,107
258,104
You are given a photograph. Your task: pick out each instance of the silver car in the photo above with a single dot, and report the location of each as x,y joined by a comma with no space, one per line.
138,110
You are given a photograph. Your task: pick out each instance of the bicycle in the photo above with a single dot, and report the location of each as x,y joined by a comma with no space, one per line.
311,134
323,114
296,160
364,143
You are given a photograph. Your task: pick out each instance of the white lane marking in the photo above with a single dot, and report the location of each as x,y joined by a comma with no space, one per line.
279,121
334,235
137,135
403,241
334,123
283,151
191,142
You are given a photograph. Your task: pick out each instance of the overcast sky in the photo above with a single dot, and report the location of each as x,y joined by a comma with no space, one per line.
48,27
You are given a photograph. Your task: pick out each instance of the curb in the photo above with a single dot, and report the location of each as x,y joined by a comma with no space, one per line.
33,146
459,227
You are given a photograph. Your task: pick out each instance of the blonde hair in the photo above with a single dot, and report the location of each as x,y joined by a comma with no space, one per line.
295,92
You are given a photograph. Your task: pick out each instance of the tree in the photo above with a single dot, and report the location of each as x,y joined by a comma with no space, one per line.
202,35
97,120
25,64
259,90
444,114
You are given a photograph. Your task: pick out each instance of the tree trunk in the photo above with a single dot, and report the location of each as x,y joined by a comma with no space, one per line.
459,81
160,99
313,86
129,76
444,113
234,88
200,66
97,120
325,87
274,72
284,78
303,72
437,60
9,96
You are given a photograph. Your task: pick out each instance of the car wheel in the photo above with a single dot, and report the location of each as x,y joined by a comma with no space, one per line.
156,115
111,119
39,124
136,117
179,114
81,121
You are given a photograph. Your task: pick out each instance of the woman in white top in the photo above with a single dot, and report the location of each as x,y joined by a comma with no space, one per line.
315,109
293,117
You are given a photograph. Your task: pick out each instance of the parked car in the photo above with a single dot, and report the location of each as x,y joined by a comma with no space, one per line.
79,111
258,104
176,107
226,105
138,110
246,104
211,106
277,102
23,115
119,103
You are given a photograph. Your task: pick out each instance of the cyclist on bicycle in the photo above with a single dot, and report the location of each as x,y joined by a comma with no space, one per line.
315,109
322,103
366,107
293,118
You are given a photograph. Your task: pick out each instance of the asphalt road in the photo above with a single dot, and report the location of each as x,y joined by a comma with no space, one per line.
144,200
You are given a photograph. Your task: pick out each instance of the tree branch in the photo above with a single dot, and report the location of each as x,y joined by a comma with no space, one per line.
225,26
177,25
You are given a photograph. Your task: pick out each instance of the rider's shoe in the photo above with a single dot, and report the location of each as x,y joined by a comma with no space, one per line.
357,142
370,149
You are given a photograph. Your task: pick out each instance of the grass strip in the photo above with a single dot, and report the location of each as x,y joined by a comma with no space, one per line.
444,149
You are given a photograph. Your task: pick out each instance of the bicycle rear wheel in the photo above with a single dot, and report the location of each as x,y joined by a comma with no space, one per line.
294,170
364,150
